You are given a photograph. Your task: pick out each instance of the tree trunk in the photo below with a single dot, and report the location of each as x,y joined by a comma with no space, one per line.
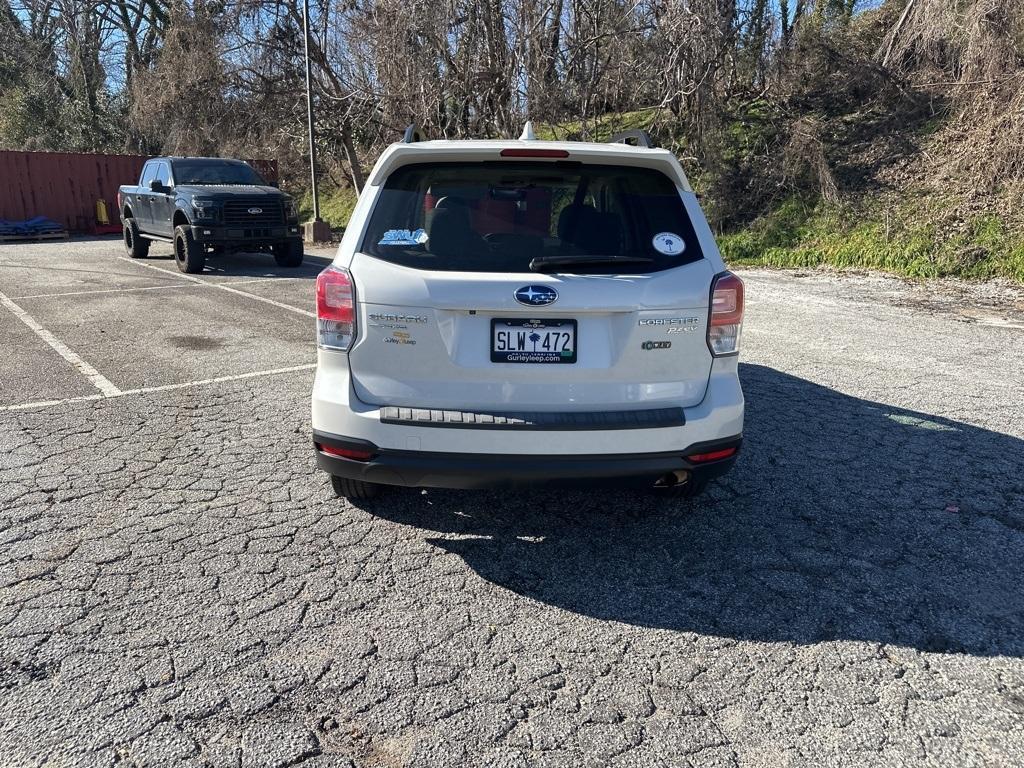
358,179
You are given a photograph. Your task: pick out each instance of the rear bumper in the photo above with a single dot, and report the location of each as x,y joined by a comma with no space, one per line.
337,411
461,470
424,453
216,234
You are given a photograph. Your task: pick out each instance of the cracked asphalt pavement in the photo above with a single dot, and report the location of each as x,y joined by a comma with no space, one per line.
178,585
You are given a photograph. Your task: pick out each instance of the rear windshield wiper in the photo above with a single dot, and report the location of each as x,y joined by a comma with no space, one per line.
541,263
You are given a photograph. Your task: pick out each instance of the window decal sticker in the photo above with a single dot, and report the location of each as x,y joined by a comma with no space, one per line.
404,237
668,243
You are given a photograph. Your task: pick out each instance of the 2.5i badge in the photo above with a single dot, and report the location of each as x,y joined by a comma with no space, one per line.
648,345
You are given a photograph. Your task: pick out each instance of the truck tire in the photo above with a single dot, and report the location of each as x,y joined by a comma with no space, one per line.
357,490
288,254
136,246
188,254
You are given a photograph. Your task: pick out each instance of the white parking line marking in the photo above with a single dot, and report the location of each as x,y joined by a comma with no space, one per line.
275,278
98,380
223,287
219,379
103,290
161,388
144,288
45,403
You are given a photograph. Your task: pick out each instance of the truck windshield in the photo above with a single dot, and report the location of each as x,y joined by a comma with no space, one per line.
520,216
214,172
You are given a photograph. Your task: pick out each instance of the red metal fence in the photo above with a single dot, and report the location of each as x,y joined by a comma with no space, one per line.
65,186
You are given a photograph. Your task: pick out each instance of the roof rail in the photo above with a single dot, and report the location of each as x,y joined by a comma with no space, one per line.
640,138
412,134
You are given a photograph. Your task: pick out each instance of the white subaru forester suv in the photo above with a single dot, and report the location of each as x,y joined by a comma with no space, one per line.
518,312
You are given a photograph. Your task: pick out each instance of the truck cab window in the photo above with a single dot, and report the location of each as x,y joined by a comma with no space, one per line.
148,174
163,174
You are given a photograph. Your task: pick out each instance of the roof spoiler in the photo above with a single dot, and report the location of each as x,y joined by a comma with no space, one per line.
412,134
635,137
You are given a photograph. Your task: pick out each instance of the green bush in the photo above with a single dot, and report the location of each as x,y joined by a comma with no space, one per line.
336,206
906,241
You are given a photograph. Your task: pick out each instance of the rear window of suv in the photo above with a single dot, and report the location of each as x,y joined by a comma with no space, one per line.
517,216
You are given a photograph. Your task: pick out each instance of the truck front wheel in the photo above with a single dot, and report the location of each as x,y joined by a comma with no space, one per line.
137,247
288,254
188,254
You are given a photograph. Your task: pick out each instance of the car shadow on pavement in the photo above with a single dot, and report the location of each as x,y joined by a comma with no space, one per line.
844,519
256,265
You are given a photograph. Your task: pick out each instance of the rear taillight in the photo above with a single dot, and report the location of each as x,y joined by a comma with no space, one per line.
726,315
335,309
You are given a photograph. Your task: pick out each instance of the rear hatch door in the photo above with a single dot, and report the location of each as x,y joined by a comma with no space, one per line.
530,287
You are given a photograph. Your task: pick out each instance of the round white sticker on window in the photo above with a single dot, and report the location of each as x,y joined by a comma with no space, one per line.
668,243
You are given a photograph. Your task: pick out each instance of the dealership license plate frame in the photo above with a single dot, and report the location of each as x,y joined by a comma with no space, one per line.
534,324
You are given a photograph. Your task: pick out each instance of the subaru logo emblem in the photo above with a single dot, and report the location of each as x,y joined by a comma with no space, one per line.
254,211
536,295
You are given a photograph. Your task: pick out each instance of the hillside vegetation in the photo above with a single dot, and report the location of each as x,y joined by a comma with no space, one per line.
886,134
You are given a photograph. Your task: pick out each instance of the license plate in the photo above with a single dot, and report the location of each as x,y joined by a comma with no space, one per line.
533,341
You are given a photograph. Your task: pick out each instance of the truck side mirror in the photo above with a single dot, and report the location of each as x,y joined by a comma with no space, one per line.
156,186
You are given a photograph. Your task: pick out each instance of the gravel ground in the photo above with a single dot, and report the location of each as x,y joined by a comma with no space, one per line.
179,587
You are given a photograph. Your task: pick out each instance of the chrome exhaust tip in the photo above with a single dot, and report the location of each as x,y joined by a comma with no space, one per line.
672,479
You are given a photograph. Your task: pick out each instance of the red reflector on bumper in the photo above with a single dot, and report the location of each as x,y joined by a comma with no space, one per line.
711,456
346,453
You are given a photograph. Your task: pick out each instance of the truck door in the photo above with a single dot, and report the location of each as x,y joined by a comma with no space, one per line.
143,203
162,202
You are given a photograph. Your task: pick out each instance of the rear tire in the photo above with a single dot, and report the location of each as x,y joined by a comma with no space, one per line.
357,490
288,254
188,254
136,246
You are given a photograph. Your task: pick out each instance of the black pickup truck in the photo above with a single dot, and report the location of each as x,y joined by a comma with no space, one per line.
208,205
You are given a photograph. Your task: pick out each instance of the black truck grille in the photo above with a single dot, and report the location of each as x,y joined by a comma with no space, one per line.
253,212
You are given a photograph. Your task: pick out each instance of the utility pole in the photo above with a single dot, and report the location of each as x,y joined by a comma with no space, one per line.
315,230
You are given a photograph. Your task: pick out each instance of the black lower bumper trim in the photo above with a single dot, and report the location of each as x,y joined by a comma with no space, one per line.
651,418
469,470
219,235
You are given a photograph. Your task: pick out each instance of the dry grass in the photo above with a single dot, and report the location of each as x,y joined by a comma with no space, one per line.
971,51
804,155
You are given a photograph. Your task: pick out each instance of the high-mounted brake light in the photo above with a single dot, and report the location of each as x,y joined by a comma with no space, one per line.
335,309
726,318
534,153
